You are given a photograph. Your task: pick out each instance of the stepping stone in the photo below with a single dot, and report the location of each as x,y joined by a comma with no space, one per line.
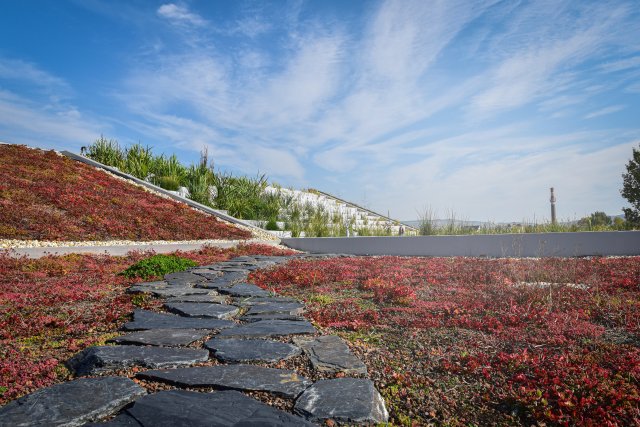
147,286
202,310
122,420
259,317
242,268
269,328
99,359
190,408
205,272
72,403
346,400
237,350
242,258
171,291
226,281
329,353
291,308
143,320
245,290
216,284
260,300
282,382
162,337
182,277
210,298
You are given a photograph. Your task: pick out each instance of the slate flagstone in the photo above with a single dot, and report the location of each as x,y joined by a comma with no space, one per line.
269,328
189,408
329,353
244,290
73,403
211,297
291,308
100,359
238,350
282,382
143,320
347,400
162,337
203,310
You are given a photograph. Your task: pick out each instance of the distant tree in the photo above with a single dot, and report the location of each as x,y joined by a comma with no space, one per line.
596,219
631,189
600,219
619,223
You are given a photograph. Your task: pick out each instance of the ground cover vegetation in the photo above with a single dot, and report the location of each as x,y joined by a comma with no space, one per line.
53,307
45,196
461,341
157,266
241,196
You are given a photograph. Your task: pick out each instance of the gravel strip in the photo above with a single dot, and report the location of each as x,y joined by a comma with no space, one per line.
15,244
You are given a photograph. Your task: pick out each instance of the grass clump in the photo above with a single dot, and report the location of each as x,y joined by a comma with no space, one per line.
158,265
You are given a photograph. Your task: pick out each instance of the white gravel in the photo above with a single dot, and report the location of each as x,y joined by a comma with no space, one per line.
16,244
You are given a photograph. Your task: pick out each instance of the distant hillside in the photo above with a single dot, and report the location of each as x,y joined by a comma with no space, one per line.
45,196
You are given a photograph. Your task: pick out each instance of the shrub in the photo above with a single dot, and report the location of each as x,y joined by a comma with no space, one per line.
167,182
272,225
158,265
106,151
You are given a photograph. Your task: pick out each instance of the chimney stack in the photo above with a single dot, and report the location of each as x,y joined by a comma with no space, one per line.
553,207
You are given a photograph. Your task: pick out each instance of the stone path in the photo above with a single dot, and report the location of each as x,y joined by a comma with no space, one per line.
241,320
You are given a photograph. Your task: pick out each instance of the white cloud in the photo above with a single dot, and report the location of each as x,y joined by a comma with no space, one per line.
180,15
26,122
42,115
623,64
507,187
386,105
604,111
251,27
542,51
18,70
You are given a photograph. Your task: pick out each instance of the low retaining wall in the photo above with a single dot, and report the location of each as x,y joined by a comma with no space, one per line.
609,243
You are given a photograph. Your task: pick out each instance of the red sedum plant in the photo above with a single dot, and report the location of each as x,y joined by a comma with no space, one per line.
45,196
461,341
53,307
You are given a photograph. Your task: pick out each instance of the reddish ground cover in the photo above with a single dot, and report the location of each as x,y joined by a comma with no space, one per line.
485,342
51,308
44,196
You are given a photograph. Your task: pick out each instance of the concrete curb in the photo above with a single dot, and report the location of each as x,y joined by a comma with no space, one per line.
605,243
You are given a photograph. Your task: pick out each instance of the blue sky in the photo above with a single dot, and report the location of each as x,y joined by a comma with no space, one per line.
472,107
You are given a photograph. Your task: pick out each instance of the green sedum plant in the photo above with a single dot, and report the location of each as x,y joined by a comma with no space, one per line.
158,265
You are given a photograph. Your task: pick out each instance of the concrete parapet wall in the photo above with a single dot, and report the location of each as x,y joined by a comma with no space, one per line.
608,243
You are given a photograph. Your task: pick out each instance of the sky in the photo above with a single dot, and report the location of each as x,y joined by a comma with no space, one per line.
473,108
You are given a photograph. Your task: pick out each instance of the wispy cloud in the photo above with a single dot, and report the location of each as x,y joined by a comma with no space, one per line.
37,79
604,111
42,113
622,64
181,15
540,68
419,102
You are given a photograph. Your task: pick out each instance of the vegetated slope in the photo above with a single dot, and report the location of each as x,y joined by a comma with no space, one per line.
45,196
